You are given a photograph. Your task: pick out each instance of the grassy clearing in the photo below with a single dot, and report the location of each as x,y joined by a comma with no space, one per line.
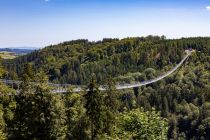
7,55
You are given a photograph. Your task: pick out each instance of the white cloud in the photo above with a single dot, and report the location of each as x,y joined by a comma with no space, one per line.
208,8
46,0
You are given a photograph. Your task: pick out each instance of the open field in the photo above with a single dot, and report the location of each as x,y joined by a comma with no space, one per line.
7,55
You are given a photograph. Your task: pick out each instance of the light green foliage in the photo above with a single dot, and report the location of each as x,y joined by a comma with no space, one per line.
44,112
44,116
76,118
7,107
141,125
55,118
7,55
2,125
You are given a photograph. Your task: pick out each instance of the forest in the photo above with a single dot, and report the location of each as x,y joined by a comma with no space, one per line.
177,107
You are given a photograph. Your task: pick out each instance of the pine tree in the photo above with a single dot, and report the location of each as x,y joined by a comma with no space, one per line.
25,102
94,107
49,120
174,106
112,106
39,114
77,123
7,107
165,107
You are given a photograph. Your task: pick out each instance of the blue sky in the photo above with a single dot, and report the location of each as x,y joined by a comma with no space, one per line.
39,23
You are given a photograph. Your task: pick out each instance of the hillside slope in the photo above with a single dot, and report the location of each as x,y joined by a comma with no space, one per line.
183,97
74,62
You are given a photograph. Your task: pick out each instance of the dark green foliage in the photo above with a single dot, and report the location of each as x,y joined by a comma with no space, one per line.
39,114
183,97
77,121
75,61
7,107
2,71
94,108
111,107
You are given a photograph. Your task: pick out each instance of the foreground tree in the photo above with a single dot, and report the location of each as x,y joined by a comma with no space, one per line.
22,125
77,122
94,108
7,107
139,125
2,125
111,107
49,111
39,114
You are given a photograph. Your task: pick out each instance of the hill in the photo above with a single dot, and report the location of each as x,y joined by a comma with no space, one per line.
75,61
18,51
183,98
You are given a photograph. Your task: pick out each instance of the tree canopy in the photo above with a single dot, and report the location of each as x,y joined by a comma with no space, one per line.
176,107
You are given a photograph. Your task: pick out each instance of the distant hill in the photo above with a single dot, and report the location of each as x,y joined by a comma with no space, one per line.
18,51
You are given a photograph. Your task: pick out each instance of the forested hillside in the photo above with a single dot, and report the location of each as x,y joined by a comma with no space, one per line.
183,98
75,61
36,113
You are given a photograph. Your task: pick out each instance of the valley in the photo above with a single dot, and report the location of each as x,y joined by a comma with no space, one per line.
142,75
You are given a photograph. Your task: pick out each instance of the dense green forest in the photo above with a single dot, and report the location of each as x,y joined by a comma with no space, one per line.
37,114
177,107
75,61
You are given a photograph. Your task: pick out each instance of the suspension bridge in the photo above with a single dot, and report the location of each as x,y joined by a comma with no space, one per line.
63,88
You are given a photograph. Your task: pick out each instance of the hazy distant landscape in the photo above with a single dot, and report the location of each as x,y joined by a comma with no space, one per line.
104,70
11,53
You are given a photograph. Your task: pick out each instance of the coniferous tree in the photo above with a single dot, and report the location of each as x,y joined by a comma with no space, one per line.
22,128
7,107
77,124
44,113
48,111
94,108
165,107
112,106
2,122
